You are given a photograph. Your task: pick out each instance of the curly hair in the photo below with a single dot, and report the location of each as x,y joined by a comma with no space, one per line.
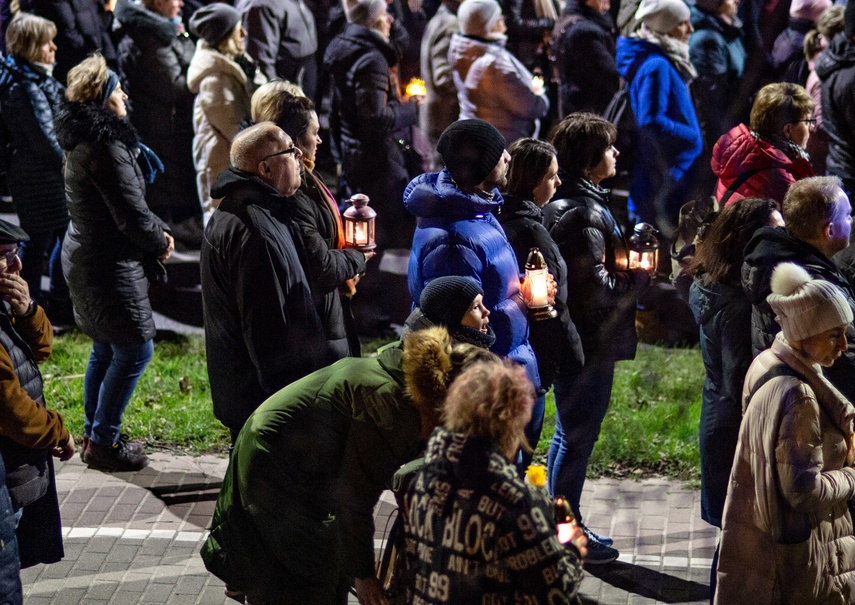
86,79
491,399
26,34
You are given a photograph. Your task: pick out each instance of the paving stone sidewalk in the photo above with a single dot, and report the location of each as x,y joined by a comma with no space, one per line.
135,538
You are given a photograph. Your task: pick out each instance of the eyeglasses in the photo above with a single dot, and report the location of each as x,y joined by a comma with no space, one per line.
10,256
811,122
292,149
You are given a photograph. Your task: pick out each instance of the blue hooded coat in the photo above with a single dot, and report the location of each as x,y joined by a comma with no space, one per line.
457,234
669,135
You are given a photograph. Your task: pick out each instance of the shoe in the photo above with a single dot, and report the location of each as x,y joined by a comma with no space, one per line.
235,594
135,446
120,456
84,445
604,540
598,553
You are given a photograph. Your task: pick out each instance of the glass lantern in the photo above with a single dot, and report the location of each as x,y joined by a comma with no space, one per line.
644,248
536,276
359,224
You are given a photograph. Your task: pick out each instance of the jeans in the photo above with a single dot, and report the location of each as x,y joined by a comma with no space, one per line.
32,254
532,432
111,377
581,401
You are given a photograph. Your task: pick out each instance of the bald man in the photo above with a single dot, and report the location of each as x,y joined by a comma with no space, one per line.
262,331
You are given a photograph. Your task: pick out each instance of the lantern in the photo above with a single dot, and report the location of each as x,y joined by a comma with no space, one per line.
416,88
644,248
536,276
359,224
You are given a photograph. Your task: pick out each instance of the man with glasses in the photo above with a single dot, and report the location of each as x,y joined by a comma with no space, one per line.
30,434
262,329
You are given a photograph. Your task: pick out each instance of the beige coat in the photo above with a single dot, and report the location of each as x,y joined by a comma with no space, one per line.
222,101
787,532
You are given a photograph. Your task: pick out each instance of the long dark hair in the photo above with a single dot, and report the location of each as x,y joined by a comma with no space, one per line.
530,161
719,256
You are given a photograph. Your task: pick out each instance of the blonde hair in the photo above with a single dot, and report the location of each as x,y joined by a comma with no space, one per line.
491,399
26,34
267,101
86,79
229,46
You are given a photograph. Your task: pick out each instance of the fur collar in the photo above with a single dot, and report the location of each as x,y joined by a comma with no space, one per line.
92,123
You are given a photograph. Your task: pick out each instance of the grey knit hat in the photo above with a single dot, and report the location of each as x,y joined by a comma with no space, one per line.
214,23
445,300
477,17
662,16
364,12
805,306
470,150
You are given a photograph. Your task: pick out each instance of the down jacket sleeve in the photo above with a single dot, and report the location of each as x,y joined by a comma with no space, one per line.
654,87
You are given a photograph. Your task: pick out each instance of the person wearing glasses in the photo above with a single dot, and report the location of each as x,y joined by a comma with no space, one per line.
768,155
263,330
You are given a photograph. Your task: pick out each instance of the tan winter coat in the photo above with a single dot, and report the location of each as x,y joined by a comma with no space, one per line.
787,532
222,101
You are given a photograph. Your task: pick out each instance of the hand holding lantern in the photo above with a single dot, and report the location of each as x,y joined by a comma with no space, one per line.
359,224
644,248
537,287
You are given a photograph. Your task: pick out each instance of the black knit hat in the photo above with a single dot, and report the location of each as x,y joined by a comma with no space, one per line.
11,234
470,150
849,19
214,23
445,300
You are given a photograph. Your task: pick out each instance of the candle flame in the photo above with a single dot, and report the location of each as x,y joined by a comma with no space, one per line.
416,88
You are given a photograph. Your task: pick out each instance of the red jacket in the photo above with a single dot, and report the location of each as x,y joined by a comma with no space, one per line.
738,151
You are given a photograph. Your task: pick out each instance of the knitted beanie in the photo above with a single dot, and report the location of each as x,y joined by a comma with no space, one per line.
214,23
662,16
849,19
477,17
364,12
470,150
808,9
805,306
445,300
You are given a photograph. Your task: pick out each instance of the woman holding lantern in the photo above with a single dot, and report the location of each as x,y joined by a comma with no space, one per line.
333,266
602,305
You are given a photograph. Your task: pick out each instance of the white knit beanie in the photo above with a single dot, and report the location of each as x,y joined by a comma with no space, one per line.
477,17
364,12
662,16
805,306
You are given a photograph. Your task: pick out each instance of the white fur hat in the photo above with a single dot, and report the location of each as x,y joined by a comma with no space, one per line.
805,306
662,16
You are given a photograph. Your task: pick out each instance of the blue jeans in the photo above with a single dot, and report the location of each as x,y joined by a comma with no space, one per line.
581,401
111,377
32,255
532,432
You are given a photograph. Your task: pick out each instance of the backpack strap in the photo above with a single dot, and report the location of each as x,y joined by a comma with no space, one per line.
780,370
742,179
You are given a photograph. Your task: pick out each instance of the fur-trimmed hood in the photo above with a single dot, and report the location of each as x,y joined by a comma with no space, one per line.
92,123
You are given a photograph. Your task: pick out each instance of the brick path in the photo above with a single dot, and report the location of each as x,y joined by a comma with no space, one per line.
135,538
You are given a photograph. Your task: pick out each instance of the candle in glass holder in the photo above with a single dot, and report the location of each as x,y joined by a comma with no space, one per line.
537,279
416,88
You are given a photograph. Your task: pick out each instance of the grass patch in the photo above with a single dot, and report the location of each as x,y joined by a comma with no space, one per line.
651,426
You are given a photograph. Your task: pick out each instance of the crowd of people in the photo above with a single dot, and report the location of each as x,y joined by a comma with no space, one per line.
240,130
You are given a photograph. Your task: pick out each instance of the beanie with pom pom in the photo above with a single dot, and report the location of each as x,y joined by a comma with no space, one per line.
805,306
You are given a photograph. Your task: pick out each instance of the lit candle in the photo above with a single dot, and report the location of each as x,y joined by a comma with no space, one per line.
361,237
416,88
537,84
538,288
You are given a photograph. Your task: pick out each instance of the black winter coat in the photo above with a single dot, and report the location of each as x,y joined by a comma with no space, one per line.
154,58
724,316
263,331
82,27
525,32
371,121
836,69
769,247
113,237
30,98
604,290
329,268
586,46
556,342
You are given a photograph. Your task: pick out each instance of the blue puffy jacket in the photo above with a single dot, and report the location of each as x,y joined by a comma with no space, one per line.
457,234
